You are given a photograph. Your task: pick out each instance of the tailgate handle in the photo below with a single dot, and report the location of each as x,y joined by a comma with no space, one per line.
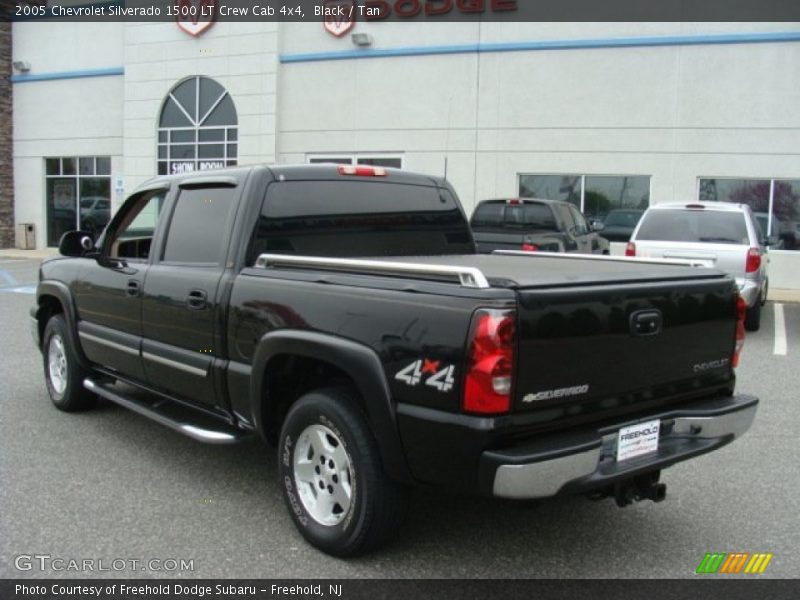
646,322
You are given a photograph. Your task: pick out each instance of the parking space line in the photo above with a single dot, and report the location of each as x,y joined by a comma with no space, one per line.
780,331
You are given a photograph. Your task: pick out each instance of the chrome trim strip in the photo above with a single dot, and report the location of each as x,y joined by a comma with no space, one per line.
208,436
98,340
637,259
175,364
469,277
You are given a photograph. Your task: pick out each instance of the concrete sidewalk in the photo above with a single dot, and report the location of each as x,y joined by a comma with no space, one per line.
28,254
776,295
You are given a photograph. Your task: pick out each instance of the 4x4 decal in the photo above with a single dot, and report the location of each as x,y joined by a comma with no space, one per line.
440,378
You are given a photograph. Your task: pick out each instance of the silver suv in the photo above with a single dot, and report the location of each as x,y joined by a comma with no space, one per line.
728,235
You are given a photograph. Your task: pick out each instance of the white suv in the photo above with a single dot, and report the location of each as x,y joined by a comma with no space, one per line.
725,234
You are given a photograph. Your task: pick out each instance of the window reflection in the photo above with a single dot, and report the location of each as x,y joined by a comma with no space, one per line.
594,195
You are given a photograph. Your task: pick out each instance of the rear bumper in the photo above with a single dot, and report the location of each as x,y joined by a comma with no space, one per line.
469,452
750,290
589,464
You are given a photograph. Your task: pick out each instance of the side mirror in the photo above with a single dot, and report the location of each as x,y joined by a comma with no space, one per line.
75,243
598,226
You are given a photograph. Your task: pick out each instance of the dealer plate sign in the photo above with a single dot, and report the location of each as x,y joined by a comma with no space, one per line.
638,440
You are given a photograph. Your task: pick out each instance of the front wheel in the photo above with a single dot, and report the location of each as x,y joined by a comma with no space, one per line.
332,477
62,373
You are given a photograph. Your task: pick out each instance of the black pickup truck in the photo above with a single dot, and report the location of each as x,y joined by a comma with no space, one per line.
342,314
534,225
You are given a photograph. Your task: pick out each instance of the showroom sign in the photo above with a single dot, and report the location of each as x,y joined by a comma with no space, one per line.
195,16
406,9
339,16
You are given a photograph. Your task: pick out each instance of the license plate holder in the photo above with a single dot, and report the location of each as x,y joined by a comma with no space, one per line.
638,440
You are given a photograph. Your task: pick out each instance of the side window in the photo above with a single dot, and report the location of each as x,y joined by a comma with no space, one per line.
134,235
198,225
581,227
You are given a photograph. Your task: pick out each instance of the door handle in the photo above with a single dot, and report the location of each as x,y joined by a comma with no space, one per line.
196,300
132,288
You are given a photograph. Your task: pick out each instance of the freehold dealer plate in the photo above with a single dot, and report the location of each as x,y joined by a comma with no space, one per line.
638,440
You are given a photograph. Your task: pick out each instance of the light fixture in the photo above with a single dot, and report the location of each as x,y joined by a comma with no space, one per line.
362,40
23,66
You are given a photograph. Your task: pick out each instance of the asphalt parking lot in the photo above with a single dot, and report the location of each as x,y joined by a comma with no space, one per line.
109,484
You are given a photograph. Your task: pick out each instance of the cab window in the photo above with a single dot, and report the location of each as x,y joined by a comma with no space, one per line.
133,236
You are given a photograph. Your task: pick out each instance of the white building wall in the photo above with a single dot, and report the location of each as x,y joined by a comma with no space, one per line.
242,57
674,113
66,117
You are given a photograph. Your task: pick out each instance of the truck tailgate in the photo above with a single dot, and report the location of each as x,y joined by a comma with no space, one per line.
596,348
730,258
488,241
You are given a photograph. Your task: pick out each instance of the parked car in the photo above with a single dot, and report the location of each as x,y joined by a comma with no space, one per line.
619,224
252,304
723,233
532,224
95,213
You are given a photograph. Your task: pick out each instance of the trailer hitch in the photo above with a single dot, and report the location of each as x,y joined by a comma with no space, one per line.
643,487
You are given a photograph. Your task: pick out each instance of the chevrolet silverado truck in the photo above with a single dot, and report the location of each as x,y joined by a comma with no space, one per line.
534,225
342,314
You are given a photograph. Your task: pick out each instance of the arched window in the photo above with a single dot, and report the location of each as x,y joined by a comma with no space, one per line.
198,128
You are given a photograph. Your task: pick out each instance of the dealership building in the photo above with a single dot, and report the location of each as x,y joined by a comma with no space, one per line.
606,115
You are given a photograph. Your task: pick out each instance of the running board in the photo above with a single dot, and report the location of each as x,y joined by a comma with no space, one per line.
196,426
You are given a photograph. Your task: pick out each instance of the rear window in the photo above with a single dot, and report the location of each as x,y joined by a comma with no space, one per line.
622,219
694,226
359,219
501,215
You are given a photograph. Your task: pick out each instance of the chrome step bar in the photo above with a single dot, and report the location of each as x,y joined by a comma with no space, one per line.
173,416
468,277
686,262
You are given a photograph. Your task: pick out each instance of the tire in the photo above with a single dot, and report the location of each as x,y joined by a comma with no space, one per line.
62,373
344,504
752,318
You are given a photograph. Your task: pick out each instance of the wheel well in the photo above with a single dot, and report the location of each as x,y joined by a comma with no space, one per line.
287,377
48,306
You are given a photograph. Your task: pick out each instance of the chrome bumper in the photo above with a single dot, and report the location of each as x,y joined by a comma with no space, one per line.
750,290
584,462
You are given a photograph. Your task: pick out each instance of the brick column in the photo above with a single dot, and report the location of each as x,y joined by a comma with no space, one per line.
6,135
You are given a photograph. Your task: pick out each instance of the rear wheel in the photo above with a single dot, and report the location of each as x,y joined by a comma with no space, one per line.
62,373
752,319
332,477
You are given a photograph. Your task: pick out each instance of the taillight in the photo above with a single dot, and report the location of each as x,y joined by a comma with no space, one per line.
362,171
741,312
529,247
630,249
490,362
753,263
